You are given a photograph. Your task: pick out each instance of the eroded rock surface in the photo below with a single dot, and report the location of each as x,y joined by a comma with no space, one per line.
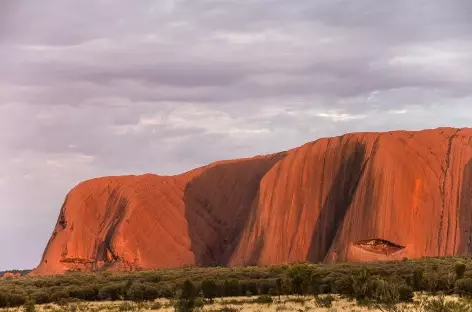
362,196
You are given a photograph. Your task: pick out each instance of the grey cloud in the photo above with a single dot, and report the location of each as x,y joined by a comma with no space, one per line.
107,87
399,20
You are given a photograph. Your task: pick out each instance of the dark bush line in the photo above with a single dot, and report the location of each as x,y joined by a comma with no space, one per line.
361,281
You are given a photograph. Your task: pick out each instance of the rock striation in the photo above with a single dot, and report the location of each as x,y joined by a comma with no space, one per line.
357,197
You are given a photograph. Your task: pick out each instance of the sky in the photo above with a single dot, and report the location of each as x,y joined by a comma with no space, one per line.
100,87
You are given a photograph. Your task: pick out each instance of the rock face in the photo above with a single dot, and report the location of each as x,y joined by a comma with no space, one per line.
362,196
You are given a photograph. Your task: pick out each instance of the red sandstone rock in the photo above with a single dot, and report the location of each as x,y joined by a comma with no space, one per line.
362,196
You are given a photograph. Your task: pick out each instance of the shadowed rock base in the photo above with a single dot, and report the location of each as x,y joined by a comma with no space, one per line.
362,196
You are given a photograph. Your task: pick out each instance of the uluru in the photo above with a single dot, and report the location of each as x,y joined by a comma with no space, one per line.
356,197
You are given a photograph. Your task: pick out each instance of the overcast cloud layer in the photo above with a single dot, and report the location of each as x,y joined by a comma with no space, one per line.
101,87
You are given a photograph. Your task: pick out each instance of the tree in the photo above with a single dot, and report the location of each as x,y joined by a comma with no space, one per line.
463,287
362,285
315,283
278,285
142,292
388,295
300,279
29,306
40,297
111,292
417,281
187,298
231,288
297,284
188,290
460,270
210,289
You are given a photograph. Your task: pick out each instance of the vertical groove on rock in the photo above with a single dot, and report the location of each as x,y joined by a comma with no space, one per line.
443,189
465,211
292,206
115,212
257,250
367,202
339,228
323,170
222,195
337,201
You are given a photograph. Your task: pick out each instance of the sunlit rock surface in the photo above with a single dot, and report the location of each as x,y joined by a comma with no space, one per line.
362,196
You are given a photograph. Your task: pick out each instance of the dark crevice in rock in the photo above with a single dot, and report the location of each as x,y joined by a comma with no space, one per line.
465,211
443,189
338,200
115,212
380,246
218,207
256,252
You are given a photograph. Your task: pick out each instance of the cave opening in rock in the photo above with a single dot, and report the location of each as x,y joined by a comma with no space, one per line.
379,246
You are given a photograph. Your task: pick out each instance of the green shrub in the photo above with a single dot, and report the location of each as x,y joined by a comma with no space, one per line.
3,300
111,292
297,283
12,300
344,286
432,282
459,268
273,292
209,289
248,288
188,290
315,283
440,304
405,293
386,293
266,285
151,278
165,290
264,299
279,286
300,276
362,285
186,300
463,287
155,306
40,297
418,279
231,288
29,306
448,275
59,296
187,305
325,288
86,293
142,292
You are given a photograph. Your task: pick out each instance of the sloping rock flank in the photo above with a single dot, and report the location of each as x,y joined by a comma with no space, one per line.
362,196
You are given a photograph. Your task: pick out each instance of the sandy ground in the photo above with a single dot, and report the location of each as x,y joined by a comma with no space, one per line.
303,304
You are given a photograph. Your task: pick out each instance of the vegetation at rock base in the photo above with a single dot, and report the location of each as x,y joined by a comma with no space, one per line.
21,272
381,284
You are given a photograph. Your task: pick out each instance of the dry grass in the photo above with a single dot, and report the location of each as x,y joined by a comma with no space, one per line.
241,304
